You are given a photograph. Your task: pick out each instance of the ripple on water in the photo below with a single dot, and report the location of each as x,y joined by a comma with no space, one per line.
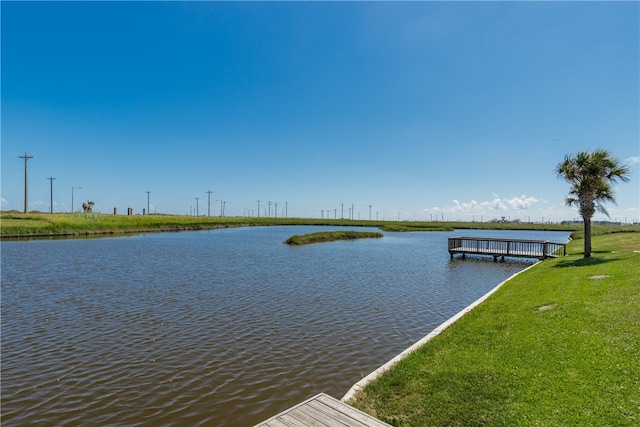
225,327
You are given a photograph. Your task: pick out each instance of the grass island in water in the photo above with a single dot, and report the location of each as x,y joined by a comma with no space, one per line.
330,236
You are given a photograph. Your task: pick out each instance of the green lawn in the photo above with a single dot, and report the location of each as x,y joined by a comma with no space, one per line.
558,345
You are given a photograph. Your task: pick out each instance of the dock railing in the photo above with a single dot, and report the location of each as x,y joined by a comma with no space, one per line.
506,247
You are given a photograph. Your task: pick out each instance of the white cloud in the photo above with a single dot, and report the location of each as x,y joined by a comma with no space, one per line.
496,204
3,202
465,207
487,207
633,160
522,202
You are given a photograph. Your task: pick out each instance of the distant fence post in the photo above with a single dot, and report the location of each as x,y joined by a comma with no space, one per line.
129,211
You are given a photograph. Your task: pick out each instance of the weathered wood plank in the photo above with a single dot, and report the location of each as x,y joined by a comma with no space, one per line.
322,417
338,416
276,423
322,411
352,412
304,419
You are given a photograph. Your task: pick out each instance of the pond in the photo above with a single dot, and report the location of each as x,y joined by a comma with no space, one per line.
224,327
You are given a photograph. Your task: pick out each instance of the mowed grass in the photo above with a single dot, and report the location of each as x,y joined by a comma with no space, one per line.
558,345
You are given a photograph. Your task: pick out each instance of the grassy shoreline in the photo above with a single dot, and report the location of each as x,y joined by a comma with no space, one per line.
42,225
557,345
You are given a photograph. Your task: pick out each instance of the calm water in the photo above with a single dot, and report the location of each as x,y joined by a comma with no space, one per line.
223,327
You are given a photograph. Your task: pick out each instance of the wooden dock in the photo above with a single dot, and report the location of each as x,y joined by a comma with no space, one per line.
501,248
322,411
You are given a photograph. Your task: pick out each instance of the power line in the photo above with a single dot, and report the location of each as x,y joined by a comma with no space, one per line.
148,192
209,203
26,157
51,181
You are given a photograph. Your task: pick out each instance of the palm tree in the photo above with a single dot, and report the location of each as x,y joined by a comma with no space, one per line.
88,206
591,175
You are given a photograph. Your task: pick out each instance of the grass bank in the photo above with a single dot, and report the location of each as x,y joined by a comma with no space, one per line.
557,345
330,236
14,224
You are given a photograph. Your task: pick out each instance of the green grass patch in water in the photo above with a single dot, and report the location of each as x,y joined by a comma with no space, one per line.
330,236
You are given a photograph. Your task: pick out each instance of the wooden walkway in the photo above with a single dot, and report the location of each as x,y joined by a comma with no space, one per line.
506,247
322,411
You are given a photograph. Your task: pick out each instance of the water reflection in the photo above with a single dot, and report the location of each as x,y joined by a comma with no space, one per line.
222,327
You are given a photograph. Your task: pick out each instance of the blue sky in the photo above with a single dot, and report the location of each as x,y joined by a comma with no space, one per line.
423,110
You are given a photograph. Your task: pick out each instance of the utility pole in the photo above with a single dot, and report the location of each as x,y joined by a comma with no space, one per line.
72,188
51,181
258,208
197,212
148,192
209,203
286,209
341,210
276,209
352,212
269,209
26,157
369,212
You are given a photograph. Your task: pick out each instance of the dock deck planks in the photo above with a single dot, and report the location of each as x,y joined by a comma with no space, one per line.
506,247
322,411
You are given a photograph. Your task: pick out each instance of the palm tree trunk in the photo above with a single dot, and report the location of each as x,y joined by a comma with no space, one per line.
587,237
